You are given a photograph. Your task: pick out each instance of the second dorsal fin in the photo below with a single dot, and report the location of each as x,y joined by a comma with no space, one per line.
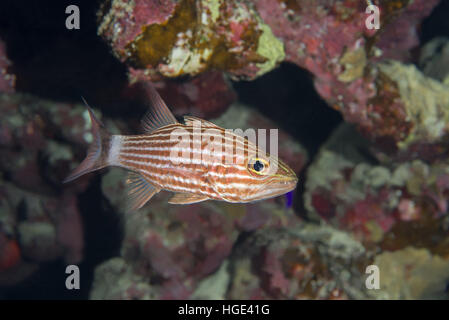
159,115
189,120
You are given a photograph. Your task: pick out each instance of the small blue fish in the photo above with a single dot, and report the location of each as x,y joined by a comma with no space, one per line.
289,200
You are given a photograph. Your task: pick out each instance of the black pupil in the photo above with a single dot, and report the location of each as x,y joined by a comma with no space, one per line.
258,166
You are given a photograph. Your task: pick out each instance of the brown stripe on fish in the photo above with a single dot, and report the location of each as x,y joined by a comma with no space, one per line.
158,164
189,131
224,152
231,174
229,186
180,184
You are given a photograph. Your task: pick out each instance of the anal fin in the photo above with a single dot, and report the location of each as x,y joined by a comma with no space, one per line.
140,191
187,198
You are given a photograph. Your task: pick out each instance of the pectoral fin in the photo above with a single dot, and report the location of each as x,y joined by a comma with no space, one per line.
187,198
140,191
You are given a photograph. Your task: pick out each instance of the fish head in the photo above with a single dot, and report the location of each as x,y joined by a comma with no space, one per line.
259,176
270,177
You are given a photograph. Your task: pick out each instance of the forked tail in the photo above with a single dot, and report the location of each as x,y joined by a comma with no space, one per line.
97,154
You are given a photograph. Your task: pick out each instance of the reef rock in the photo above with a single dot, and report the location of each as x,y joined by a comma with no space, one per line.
329,39
349,61
39,221
398,212
303,261
173,38
386,205
412,273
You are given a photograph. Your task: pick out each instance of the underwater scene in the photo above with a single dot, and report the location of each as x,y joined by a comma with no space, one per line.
224,149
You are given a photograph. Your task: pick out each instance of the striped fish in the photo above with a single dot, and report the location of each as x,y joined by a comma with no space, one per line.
197,160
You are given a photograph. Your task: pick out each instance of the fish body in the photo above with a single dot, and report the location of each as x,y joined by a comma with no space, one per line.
197,160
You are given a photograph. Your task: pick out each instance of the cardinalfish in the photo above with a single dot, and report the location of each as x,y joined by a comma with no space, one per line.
177,157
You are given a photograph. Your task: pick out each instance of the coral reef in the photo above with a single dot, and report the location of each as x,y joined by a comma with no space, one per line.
174,38
246,39
378,203
39,221
375,193
300,261
398,211
328,39
406,269
297,263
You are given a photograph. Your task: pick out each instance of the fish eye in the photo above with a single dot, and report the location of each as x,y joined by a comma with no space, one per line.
258,166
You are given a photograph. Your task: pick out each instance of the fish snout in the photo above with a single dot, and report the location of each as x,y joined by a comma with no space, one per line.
282,185
289,182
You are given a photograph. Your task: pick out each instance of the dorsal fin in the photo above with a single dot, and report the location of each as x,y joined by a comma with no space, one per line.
189,120
159,115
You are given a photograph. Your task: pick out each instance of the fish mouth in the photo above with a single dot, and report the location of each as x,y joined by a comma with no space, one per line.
274,188
287,184
279,187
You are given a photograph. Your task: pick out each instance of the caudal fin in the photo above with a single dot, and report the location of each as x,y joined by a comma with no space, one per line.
98,151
